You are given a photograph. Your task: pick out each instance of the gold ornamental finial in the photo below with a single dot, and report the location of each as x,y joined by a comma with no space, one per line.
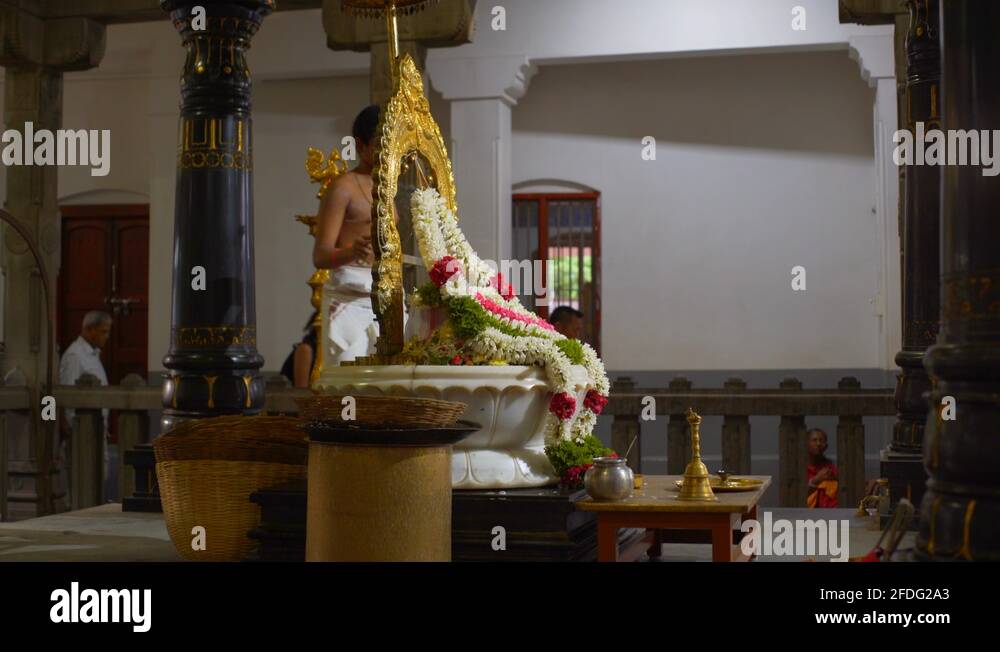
378,8
696,485
389,9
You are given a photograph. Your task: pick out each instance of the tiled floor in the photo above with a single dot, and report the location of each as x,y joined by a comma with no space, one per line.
105,533
102,533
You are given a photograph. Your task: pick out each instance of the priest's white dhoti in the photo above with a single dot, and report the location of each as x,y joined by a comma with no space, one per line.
351,328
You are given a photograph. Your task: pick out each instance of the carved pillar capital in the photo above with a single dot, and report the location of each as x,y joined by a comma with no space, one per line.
62,44
875,56
471,78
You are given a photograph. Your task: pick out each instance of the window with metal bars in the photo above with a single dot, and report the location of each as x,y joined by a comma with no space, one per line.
563,232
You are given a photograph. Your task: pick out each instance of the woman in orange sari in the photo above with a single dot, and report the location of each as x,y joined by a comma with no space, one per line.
821,472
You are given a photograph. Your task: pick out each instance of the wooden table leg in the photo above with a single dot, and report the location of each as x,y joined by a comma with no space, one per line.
655,539
722,540
607,540
749,516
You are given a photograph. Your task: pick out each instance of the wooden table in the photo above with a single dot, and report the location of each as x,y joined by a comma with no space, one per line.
656,507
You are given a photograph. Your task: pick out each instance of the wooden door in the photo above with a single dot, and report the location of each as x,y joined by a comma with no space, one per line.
105,266
130,287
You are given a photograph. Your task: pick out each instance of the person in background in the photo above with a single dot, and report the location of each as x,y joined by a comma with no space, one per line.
344,246
568,321
821,472
81,357
299,363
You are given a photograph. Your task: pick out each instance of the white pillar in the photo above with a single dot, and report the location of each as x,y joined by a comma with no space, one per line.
482,91
875,55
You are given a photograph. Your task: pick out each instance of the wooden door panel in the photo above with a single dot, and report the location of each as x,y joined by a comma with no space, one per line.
133,258
105,256
131,237
83,278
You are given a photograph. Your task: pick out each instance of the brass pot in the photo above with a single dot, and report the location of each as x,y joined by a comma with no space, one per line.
609,479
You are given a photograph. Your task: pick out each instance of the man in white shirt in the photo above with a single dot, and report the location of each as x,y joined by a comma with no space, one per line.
81,357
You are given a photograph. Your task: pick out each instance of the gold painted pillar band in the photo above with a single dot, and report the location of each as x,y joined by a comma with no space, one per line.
368,503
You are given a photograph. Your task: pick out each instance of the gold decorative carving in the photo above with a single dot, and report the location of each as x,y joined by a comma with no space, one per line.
211,390
966,550
322,170
214,143
378,8
316,282
188,337
975,296
246,383
406,128
926,331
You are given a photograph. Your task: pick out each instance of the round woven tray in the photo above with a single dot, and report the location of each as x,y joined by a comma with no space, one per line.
388,411
234,438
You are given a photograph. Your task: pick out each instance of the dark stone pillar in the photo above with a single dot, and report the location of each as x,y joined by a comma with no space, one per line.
960,513
213,355
902,462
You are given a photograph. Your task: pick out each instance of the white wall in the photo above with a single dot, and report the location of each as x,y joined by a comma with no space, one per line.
763,162
108,104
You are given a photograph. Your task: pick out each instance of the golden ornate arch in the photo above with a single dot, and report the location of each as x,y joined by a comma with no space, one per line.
406,128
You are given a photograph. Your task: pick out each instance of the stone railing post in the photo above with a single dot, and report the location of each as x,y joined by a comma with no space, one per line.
850,451
793,454
133,429
736,434
87,446
626,427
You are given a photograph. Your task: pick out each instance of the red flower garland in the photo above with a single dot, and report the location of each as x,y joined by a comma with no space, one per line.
506,290
594,401
573,476
444,269
562,405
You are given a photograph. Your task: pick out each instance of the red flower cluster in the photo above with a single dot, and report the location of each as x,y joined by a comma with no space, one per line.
573,476
444,269
594,401
459,360
562,405
506,290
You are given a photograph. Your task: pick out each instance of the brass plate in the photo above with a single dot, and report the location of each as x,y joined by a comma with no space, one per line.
732,484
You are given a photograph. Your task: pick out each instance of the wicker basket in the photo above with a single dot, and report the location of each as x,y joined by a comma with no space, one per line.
215,494
389,411
207,469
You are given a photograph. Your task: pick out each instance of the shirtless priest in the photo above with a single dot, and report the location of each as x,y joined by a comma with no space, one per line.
344,246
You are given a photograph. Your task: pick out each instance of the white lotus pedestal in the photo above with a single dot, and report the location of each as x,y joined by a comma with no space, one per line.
510,402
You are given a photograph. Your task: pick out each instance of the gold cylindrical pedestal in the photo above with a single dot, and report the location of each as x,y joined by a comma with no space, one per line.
378,503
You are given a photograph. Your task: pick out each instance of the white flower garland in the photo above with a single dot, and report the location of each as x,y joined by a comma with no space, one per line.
438,236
